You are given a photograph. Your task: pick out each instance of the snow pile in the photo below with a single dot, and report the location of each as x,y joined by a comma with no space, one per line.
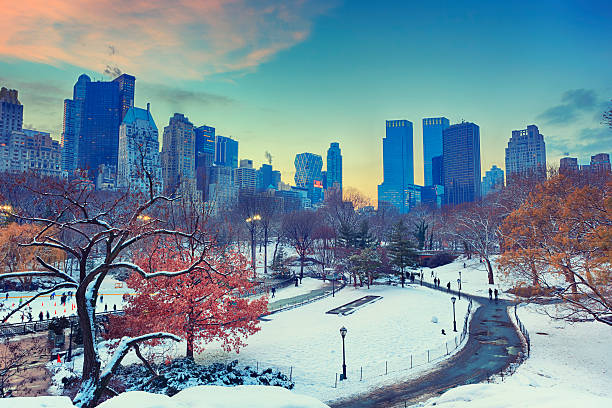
515,396
569,366
197,397
184,373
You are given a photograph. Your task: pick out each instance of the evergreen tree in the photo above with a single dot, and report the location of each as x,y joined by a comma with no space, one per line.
364,238
421,233
278,265
401,250
347,236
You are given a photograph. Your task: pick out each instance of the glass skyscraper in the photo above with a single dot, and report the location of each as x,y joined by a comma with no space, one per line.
432,144
308,175
226,152
461,163
398,166
73,113
334,166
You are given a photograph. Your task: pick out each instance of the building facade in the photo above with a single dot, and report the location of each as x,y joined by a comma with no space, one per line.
308,175
245,176
30,150
268,178
461,163
178,157
437,170
492,181
526,154
398,165
432,145
126,84
139,152
226,153
600,163
11,113
568,165
333,177
223,192
73,117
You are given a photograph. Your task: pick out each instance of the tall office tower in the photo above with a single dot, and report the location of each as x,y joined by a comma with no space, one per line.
99,137
568,165
461,163
398,166
432,144
268,178
437,170
126,92
226,153
245,176
178,157
526,154
600,163
334,166
11,113
324,179
139,152
492,181
223,193
205,157
308,175
73,114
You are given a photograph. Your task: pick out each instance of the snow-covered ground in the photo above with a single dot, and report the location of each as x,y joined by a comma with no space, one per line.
112,292
383,335
570,365
196,397
307,286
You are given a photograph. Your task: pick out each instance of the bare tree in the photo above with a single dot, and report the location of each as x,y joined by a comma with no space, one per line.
105,231
15,359
299,229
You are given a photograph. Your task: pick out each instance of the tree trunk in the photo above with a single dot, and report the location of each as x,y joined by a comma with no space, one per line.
253,250
301,267
189,339
89,392
490,271
265,250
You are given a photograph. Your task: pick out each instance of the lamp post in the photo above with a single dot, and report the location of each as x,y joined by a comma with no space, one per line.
343,334
69,358
453,299
459,286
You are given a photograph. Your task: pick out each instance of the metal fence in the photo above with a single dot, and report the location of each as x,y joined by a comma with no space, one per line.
302,302
523,330
17,329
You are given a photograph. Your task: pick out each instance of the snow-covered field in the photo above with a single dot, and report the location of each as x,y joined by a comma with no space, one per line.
307,286
196,397
382,335
570,366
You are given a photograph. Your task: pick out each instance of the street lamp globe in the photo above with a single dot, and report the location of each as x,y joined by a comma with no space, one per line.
343,331
453,299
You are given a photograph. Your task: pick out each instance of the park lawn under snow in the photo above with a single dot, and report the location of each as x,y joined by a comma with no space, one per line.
306,341
569,366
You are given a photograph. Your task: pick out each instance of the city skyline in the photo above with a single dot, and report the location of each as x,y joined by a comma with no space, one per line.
273,91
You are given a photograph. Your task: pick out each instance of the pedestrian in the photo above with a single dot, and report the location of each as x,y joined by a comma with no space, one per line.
443,332
273,291
40,315
106,307
296,281
432,273
101,298
448,287
464,265
115,307
47,314
6,296
495,295
301,279
29,316
490,294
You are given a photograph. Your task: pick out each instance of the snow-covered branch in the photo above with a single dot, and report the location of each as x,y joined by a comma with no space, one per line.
45,292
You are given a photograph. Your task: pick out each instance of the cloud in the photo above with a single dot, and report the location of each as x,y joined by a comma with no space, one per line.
575,102
181,39
177,98
585,142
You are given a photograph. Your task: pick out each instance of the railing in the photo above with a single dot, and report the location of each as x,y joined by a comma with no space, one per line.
523,330
288,306
17,329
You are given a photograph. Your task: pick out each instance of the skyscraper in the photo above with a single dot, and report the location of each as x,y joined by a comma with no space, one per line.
73,114
432,144
437,170
526,154
245,176
492,181
205,157
600,163
568,165
461,163
99,137
139,152
11,113
126,85
227,152
308,175
178,156
398,166
334,166
268,178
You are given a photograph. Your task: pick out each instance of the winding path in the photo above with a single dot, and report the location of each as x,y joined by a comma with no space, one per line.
492,345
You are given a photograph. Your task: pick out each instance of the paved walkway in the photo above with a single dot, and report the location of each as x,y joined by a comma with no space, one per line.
492,345
283,304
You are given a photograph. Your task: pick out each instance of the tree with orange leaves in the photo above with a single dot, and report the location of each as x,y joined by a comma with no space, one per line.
560,240
200,307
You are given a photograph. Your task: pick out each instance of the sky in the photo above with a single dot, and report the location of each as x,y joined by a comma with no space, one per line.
292,76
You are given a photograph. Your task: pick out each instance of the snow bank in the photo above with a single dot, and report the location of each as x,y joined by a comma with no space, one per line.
243,396
516,396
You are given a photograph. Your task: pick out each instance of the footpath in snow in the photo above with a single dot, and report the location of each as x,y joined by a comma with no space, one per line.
569,366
